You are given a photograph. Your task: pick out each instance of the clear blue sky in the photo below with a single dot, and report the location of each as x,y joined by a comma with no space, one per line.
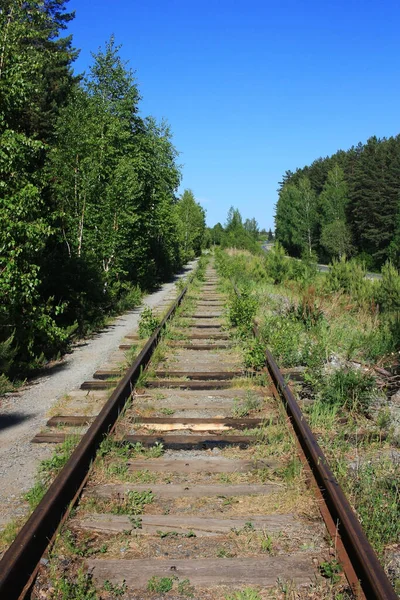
252,88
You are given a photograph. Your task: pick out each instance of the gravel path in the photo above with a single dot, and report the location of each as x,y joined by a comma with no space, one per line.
23,413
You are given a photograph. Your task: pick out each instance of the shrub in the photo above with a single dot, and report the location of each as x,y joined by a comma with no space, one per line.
148,323
277,264
284,337
346,276
382,340
305,270
242,310
128,295
388,292
254,354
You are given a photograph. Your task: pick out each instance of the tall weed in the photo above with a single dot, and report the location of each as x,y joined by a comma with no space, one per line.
285,338
242,310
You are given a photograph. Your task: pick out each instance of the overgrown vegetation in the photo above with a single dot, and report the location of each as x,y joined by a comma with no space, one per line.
334,327
148,323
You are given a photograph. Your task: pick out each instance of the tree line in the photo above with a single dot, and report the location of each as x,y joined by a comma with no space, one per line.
347,204
89,213
237,233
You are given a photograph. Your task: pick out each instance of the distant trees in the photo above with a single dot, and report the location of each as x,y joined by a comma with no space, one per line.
235,234
251,226
192,225
357,204
87,188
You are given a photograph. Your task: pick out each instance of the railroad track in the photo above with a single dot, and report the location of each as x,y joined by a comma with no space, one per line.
206,483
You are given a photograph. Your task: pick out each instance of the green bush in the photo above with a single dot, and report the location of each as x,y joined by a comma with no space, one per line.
277,264
304,271
388,292
128,295
148,323
382,340
345,276
254,354
285,338
242,310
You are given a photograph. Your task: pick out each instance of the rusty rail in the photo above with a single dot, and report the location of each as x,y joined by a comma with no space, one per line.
364,561
22,558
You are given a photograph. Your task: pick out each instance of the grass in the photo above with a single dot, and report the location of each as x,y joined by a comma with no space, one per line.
132,503
160,585
305,324
9,533
246,594
80,587
242,408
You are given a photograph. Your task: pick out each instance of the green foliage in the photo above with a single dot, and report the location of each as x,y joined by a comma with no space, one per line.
284,336
330,570
346,276
5,385
148,323
277,265
87,189
237,235
296,217
254,354
242,408
161,585
307,310
388,292
303,271
48,469
116,590
358,208
7,354
242,310
350,389
133,503
375,490
192,225
382,340
185,588
127,296
35,494
80,547
336,239
81,588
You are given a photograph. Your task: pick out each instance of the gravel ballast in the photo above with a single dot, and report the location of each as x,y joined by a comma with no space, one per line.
24,413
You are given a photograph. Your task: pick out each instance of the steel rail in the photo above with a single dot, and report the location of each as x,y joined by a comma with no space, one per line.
371,575
23,556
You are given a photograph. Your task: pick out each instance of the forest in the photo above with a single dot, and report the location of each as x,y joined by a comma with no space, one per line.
347,204
89,213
